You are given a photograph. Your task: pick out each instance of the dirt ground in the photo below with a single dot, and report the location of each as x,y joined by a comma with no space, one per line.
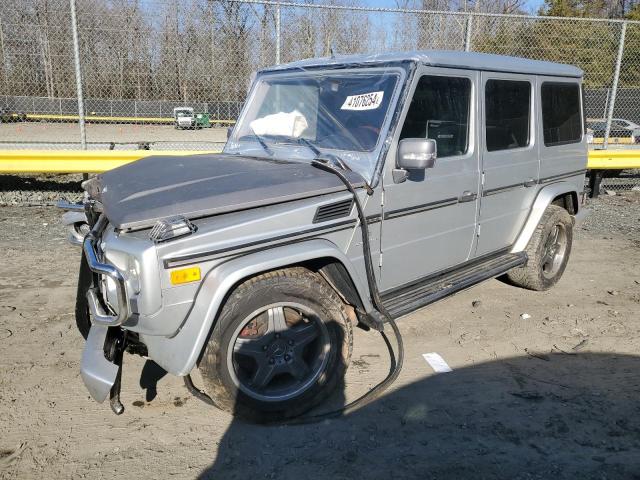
56,132
556,395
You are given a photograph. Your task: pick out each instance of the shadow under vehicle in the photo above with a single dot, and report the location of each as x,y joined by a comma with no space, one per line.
554,416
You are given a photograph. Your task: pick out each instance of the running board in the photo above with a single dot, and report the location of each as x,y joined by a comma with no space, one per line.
404,300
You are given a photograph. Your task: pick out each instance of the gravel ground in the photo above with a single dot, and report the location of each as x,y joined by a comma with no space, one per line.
611,215
41,190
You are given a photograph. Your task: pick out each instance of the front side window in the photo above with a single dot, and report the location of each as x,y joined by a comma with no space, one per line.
561,119
507,114
440,111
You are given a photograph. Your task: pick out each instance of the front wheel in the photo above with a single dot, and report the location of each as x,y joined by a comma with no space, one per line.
280,347
548,251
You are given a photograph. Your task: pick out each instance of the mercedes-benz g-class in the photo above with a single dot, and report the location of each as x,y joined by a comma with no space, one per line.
251,266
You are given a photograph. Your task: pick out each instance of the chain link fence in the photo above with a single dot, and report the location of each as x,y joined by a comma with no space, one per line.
140,60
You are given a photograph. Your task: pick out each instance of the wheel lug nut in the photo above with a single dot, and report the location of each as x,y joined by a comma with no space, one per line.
287,358
272,361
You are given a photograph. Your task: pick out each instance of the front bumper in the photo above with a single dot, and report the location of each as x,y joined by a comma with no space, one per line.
100,315
98,373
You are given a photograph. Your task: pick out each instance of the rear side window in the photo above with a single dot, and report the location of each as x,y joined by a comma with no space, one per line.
561,122
440,111
507,114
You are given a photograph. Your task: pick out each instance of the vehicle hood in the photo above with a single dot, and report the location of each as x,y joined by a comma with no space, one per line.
138,194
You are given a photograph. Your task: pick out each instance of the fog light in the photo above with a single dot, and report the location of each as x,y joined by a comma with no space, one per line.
185,275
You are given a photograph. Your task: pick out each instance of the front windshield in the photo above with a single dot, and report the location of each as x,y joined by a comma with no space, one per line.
342,111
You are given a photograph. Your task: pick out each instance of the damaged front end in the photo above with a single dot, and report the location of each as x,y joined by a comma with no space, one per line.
101,363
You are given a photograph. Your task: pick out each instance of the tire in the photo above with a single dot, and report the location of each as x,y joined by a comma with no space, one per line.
300,302
85,278
547,257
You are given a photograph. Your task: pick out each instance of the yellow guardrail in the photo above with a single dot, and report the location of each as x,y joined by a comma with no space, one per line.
613,159
75,161
96,161
100,118
614,141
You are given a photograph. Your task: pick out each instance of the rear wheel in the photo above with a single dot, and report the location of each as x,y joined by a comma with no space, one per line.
548,251
281,346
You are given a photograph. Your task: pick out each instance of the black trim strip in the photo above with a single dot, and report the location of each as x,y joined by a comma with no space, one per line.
401,212
506,188
562,175
213,254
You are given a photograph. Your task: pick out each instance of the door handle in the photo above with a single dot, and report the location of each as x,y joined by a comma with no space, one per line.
529,183
467,196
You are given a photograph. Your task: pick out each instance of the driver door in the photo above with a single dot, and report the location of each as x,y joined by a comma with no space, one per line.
429,220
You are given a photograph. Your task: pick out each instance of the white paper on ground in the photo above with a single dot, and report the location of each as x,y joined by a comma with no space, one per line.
437,362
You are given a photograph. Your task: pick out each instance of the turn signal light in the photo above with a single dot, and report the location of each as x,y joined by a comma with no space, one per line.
185,275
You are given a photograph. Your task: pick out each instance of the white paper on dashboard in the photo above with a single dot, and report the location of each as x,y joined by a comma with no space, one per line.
291,124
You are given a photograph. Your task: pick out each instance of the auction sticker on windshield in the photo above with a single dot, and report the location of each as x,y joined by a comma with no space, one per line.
364,101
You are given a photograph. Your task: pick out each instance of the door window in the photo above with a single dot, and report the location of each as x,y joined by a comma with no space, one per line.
507,114
440,111
561,122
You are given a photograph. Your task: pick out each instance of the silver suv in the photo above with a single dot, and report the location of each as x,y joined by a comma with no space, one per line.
351,188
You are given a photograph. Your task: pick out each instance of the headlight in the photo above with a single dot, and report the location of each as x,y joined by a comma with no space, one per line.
133,275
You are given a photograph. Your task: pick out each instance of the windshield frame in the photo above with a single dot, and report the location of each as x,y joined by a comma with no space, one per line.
282,151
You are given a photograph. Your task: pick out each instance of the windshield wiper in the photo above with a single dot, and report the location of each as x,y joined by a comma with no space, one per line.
328,158
262,143
311,146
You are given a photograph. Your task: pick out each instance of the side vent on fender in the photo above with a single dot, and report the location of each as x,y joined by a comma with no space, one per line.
333,211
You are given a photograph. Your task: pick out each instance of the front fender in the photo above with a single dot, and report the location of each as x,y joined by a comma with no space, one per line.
545,196
179,354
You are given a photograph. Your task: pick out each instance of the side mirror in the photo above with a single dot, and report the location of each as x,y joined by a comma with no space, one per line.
417,153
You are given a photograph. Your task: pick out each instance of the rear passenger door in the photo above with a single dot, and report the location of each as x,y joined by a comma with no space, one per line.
509,158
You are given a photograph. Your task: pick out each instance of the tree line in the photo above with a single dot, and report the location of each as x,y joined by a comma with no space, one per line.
205,50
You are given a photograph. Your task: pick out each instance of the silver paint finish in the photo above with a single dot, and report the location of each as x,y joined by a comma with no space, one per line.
544,198
426,228
426,224
178,355
98,374
447,59
503,213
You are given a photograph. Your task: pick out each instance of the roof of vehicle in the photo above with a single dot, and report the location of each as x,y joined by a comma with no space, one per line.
447,58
